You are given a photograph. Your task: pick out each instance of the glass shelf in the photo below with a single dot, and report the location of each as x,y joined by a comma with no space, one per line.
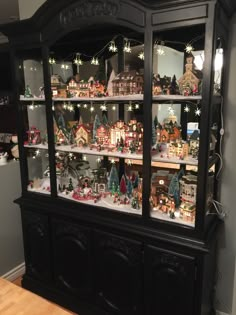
138,97
105,203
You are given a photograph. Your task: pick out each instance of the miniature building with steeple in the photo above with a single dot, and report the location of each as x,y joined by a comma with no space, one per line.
191,79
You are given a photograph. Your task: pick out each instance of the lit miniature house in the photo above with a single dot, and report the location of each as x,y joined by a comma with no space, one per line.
59,89
78,89
160,184
128,82
82,135
134,134
102,135
170,131
166,203
84,88
178,149
188,195
187,211
156,85
100,180
194,143
33,136
117,132
61,137
191,79
188,188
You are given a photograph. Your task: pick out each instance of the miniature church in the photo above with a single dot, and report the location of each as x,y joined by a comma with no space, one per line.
191,80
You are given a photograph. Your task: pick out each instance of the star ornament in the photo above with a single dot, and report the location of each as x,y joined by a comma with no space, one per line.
141,55
171,110
186,109
189,48
198,112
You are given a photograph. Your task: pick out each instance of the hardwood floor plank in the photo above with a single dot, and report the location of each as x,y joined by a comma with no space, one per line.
15,300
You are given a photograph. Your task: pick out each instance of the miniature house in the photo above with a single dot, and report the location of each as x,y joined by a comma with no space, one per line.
170,131
194,143
134,133
188,188
128,82
34,136
117,132
82,135
178,149
191,79
58,88
160,185
187,212
102,135
84,88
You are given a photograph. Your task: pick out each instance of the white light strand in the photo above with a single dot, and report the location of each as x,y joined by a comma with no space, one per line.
95,61
52,61
112,47
127,47
77,61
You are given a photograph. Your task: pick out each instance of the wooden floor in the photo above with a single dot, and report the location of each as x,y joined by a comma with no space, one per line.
50,305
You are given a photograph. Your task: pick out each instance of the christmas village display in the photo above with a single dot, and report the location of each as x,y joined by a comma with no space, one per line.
128,82
172,194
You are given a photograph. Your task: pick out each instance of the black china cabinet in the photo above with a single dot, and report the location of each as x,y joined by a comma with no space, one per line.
119,107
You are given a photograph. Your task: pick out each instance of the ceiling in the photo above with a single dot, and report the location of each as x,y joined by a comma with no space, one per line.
9,11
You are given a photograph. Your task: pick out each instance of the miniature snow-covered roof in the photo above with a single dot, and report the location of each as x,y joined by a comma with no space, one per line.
83,126
195,135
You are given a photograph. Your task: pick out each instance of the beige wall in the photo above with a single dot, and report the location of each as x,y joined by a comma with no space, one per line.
28,7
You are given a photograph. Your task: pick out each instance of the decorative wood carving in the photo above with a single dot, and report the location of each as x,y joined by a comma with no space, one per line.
69,229
89,8
130,250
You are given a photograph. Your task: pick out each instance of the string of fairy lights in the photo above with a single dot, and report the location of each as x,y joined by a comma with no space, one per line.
128,44
60,155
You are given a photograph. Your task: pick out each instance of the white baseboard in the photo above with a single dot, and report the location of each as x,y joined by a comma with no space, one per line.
15,273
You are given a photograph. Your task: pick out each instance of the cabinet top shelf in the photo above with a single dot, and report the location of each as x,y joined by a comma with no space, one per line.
138,97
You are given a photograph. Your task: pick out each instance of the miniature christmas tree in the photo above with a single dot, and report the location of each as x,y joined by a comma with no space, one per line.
174,189
104,120
118,190
71,136
129,188
136,181
113,178
135,203
28,91
174,89
96,124
113,189
70,186
154,134
80,120
155,121
123,188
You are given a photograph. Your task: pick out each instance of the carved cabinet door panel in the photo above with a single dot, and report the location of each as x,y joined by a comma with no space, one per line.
72,270
118,270
169,282
37,245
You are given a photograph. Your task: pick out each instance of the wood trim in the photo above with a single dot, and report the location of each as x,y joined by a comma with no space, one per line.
14,273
